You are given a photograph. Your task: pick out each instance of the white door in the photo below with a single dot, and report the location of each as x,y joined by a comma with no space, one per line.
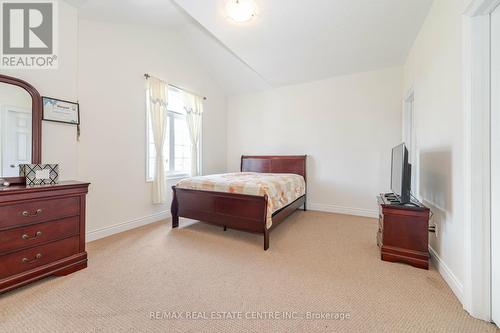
16,130
495,166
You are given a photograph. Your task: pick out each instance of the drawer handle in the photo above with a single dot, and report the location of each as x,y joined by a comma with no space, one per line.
28,261
28,214
27,237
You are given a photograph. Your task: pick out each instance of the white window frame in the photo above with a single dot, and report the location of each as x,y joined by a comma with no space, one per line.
171,158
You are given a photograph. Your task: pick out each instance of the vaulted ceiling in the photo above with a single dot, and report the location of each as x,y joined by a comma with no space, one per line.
289,41
294,41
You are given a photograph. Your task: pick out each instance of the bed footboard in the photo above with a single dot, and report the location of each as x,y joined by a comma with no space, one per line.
229,210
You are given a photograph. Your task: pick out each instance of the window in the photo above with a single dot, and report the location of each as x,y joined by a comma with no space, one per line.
177,148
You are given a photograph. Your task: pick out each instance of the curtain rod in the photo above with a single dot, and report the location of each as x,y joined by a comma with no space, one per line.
147,76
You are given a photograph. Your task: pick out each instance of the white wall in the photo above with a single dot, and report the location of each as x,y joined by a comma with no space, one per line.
102,66
59,144
112,61
434,70
346,125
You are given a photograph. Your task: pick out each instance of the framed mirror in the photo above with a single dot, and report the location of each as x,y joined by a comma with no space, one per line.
20,127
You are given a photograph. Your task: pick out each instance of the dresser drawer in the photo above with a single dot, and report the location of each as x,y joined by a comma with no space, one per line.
38,211
25,260
19,238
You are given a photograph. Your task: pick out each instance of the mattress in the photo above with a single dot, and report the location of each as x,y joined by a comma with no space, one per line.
281,188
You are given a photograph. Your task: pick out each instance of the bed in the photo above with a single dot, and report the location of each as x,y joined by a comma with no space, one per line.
206,200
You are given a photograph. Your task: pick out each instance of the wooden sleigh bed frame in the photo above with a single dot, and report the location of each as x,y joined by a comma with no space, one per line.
240,211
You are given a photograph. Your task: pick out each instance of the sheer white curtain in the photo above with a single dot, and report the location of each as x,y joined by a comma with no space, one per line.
194,110
157,92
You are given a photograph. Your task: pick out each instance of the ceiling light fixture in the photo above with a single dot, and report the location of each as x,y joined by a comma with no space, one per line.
241,10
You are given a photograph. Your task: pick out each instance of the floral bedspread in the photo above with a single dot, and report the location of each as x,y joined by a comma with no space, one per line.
281,188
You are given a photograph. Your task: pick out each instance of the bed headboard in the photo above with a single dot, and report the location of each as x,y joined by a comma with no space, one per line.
275,164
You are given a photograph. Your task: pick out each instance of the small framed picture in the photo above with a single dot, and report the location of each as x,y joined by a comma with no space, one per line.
60,111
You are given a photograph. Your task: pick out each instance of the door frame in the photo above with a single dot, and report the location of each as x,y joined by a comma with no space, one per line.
408,102
477,108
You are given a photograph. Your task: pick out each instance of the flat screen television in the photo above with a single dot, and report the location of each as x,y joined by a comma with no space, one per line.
401,174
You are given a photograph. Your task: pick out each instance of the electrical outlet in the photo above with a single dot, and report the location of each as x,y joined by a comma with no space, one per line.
434,225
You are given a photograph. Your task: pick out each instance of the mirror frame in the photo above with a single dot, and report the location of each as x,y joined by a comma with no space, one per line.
36,127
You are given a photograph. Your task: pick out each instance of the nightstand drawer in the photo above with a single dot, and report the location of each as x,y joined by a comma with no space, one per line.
26,260
23,237
38,211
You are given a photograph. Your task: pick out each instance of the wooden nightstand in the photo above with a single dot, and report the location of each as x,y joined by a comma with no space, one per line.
403,233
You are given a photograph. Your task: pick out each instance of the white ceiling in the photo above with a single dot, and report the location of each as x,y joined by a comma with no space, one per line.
153,12
290,41
224,67
293,41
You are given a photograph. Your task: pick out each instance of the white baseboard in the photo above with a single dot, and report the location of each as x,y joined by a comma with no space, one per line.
343,210
121,227
447,274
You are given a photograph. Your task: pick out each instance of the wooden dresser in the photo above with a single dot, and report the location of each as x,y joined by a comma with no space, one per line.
42,232
403,233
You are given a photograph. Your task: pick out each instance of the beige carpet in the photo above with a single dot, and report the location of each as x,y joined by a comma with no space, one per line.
320,263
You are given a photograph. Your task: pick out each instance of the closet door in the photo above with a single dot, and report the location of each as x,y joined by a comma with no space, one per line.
495,165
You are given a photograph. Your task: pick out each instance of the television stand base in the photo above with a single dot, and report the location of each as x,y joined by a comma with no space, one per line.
393,199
